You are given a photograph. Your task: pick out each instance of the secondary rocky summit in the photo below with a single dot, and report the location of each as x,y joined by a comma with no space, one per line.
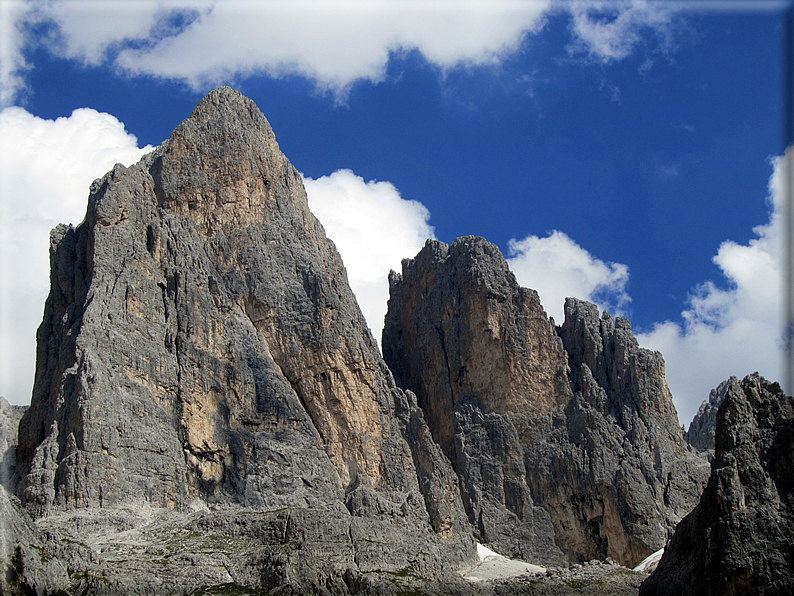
565,439
201,353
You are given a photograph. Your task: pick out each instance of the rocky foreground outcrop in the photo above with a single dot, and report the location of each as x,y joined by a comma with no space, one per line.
565,439
209,406
740,537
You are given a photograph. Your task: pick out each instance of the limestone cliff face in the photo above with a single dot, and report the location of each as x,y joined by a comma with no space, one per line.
482,357
738,540
627,476
200,344
459,310
565,439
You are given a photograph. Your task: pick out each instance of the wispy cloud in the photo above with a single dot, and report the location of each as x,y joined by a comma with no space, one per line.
12,40
668,171
611,30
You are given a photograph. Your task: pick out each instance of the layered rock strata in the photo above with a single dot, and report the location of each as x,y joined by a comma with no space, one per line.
565,439
738,540
201,348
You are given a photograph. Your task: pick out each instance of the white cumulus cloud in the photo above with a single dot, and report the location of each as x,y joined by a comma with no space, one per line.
332,42
12,39
729,331
46,168
373,228
557,267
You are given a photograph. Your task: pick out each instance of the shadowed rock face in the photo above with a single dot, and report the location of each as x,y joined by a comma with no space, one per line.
9,424
201,346
738,540
565,439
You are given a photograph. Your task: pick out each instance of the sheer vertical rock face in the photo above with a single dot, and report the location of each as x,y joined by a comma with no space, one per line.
632,475
738,540
458,334
565,439
200,341
460,328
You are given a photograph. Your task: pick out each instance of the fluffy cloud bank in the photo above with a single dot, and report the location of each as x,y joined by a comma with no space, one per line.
557,267
46,167
730,331
333,42
373,228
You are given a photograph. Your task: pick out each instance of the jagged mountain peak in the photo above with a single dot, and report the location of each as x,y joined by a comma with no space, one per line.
207,391
565,439
201,347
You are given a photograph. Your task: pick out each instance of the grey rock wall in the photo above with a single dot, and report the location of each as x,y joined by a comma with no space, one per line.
565,439
201,349
738,540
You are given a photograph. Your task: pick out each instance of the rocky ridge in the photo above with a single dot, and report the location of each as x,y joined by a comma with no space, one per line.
565,439
738,540
202,357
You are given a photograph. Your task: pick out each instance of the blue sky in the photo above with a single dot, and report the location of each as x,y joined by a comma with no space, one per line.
623,152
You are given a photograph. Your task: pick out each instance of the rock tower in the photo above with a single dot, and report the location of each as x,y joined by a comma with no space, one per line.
201,351
565,439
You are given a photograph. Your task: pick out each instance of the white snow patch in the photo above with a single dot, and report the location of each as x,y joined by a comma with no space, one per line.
495,566
484,552
650,562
